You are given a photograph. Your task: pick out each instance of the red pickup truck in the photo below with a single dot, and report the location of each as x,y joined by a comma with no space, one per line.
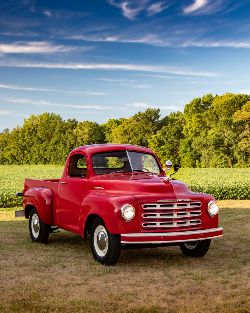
119,196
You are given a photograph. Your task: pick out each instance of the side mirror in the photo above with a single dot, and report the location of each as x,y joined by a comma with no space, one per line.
168,165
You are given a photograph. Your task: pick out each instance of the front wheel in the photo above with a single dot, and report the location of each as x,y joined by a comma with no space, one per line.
195,248
105,247
39,231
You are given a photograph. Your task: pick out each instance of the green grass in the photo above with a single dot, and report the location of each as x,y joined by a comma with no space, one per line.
63,277
223,183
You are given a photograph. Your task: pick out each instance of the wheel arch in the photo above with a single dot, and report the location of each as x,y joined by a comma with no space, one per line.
41,199
89,221
101,206
28,209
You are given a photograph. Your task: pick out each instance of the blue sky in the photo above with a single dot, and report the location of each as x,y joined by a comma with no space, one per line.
95,60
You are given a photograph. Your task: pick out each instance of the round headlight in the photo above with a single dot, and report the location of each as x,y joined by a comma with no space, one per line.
128,212
212,208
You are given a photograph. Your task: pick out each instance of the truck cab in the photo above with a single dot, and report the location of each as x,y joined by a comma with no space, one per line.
119,196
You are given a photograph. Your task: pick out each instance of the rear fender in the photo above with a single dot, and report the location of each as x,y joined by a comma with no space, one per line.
40,198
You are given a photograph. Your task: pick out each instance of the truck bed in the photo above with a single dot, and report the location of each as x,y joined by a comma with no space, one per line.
51,184
47,183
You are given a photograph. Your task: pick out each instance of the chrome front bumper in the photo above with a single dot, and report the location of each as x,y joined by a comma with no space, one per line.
171,237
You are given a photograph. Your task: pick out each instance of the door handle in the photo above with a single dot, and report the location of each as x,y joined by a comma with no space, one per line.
63,182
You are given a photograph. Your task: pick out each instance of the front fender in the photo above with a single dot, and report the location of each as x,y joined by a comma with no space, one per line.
41,199
108,209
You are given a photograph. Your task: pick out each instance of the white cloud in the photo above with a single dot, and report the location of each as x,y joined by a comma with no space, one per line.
95,38
163,41
34,47
130,13
199,7
132,8
163,76
64,14
129,8
89,93
110,67
156,8
196,5
145,105
115,80
140,86
52,104
217,44
47,13
126,83
11,113
140,105
245,91
149,39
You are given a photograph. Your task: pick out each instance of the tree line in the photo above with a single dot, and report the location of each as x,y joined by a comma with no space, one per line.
212,131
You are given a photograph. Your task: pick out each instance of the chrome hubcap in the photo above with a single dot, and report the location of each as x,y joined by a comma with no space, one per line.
35,225
191,245
101,240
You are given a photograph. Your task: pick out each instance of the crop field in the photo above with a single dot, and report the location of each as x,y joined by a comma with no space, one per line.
63,277
12,179
223,183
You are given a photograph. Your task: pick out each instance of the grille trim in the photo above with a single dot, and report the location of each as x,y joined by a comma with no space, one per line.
170,206
175,214
170,215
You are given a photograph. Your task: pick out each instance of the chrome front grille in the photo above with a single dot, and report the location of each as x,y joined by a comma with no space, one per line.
159,216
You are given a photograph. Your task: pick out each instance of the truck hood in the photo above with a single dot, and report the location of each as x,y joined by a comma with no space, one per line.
141,185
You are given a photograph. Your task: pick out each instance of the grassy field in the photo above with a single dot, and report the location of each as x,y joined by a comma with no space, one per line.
223,183
63,277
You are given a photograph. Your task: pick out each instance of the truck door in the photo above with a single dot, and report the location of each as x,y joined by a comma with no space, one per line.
72,190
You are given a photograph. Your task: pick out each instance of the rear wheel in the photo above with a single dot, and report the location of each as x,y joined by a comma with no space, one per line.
39,231
195,248
105,247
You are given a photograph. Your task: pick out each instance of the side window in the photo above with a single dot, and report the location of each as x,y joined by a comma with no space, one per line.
78,166
149,164
81,163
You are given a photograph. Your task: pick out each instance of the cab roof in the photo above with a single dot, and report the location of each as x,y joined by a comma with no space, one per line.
97,148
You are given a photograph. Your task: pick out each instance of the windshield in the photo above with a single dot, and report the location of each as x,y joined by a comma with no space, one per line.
124,161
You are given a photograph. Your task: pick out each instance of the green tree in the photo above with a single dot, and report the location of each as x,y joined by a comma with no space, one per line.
137,129
195,129
224,134
109,126
4,141
88,133
211,132
242,117
211,136
42,135
11,147
166,142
